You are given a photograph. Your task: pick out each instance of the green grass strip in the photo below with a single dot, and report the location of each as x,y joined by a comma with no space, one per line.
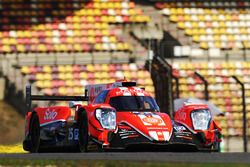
106,163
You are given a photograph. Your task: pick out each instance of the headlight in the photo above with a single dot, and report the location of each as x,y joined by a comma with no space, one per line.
107,118
201,119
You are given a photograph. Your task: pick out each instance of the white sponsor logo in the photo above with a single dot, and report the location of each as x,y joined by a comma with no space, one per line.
50,115
166,135
155,120
179,128
153,134
152,120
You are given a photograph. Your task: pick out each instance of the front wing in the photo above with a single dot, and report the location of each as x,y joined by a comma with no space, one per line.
181,140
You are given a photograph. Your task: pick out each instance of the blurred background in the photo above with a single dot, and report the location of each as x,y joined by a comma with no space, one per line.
173,48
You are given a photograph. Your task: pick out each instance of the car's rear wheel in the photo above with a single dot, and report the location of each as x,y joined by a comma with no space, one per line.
83,131
34,133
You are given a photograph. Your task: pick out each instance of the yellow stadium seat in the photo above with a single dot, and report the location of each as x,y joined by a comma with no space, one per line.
41,47
61,76
39,76
204,45
173,18
105,67
78,90
47,76
196,38
98,47
69,83
62,91
90,68
69,76
20,48
40,84
47,69
25,70
47,84
77,47
91,39
83,75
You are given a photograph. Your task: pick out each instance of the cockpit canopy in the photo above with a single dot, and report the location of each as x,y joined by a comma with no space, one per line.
134,103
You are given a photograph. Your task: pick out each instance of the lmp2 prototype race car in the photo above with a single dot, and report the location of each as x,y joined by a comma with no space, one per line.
118,116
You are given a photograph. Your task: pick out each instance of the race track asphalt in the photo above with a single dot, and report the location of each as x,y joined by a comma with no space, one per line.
194,157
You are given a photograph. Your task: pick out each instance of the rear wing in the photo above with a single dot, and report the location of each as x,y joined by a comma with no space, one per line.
30,97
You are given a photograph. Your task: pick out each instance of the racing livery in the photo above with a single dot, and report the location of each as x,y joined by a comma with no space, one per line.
118,115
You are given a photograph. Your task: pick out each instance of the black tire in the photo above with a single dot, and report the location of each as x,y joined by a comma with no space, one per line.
216,145
83,131
34,133
100,149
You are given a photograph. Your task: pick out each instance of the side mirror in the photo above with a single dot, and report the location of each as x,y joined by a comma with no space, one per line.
73,104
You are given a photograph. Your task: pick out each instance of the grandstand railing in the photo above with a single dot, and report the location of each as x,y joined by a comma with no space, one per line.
244,112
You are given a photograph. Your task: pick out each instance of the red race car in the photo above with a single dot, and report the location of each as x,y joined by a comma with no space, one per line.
118,116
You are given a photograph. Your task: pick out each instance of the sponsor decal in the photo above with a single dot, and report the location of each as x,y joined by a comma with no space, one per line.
128,92
157,128
185,137
50,115
123,91
166,135
127,133
153,134
130,136
152,120
183,134
179,128
160,135
138,91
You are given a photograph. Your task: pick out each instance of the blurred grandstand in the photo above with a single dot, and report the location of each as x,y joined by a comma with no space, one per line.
62,45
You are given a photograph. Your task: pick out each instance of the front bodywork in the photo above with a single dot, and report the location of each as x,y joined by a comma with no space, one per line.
133,133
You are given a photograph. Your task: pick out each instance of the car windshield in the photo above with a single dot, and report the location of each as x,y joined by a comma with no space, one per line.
134,103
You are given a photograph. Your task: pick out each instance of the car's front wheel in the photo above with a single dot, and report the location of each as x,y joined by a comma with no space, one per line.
83,131
216,145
